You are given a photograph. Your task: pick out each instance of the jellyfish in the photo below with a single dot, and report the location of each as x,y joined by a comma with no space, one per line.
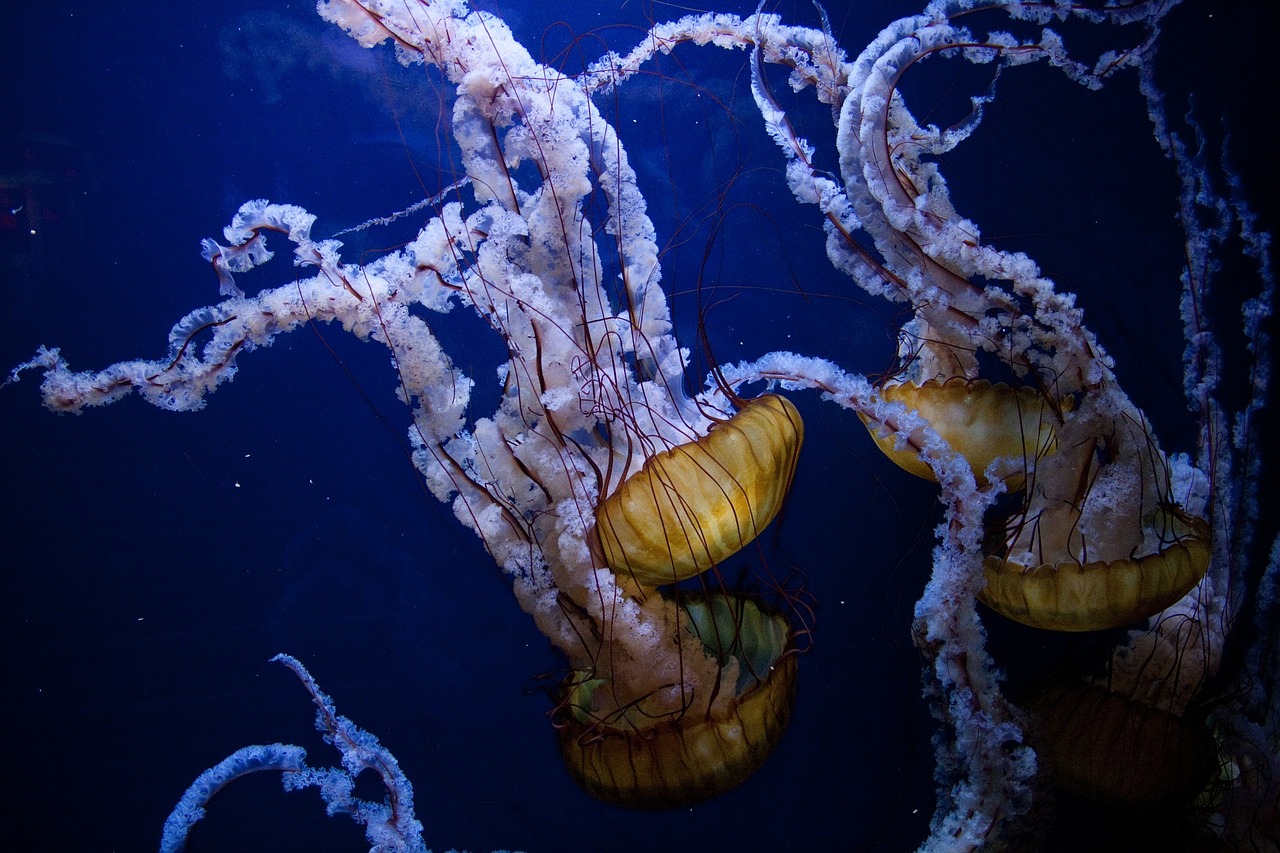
598,480
1000,396
1102,536
1001,388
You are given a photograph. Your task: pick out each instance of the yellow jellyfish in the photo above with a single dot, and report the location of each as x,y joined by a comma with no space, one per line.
980,420
694,505
1100,540
632,759
686,510
1068,595
1107,747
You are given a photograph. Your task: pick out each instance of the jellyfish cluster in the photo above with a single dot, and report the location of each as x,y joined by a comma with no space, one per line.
610,486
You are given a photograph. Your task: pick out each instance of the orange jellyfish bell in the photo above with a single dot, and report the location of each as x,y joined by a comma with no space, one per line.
1068,595
634,759
692,506
980,420
1112,749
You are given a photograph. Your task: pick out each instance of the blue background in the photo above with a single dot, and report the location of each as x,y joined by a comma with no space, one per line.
154,562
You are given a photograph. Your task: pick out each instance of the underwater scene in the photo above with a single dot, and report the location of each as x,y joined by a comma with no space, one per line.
792,427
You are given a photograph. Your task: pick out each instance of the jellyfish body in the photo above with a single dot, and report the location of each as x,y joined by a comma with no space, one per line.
1070,560
689,508
631,758
1109,529
981,421
1106,747
1072,596
694,505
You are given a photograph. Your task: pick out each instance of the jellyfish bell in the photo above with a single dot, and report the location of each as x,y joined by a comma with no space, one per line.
1068,595
694,505
636,758
1132,745
1010,421
1110,530
1124,773
1114,749
984,422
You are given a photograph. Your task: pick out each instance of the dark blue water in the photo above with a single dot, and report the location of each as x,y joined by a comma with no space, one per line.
154,562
